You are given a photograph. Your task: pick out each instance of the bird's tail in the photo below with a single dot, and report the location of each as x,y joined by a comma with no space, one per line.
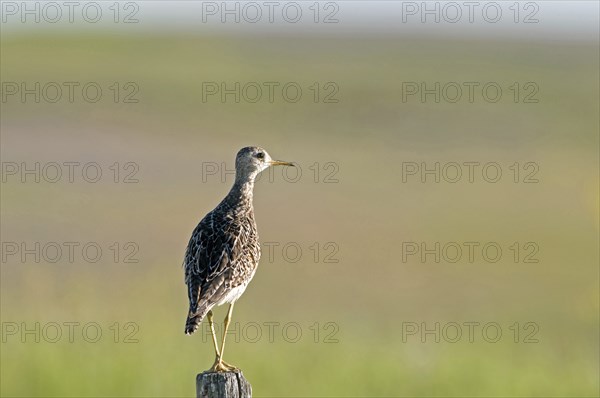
192,323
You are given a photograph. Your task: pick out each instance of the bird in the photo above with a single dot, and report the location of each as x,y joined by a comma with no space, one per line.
223,252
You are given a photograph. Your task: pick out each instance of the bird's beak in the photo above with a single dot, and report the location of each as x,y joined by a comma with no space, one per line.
281,163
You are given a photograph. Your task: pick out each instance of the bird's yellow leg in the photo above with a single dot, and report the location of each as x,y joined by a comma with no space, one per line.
225,327
218,366
209,318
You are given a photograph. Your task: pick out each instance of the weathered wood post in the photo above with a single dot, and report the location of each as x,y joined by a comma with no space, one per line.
222,385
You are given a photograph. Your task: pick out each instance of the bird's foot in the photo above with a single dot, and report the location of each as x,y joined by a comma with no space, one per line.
221,366
230,368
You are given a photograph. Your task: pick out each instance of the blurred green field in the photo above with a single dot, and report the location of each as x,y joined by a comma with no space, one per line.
370,292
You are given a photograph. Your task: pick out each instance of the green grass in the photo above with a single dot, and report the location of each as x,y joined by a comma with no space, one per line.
370,292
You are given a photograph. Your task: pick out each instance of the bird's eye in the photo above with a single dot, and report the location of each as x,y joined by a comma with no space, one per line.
260,155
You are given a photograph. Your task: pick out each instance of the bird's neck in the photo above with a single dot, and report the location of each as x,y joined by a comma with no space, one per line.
242,190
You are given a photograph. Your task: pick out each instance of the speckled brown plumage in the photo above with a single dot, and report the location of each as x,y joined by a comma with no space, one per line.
223,252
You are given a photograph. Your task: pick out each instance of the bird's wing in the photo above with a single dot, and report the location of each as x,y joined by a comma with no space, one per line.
214,244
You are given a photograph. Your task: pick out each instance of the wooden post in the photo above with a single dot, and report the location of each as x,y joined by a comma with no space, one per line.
222,385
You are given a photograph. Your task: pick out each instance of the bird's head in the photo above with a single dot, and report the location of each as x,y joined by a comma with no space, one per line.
251,160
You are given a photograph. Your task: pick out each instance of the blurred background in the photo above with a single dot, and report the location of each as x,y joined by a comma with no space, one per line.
120,122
